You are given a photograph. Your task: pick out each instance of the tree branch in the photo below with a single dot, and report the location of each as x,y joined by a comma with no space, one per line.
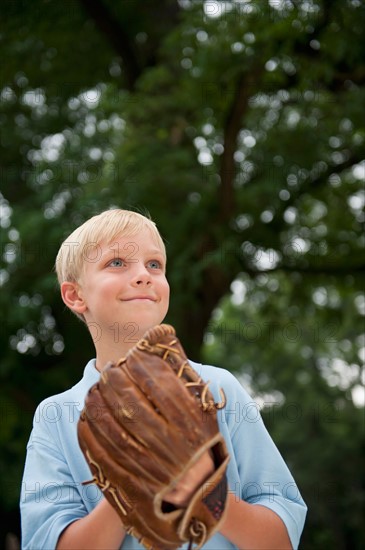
116,35
231,130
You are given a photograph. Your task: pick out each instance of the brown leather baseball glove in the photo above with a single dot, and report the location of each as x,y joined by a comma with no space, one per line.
144,426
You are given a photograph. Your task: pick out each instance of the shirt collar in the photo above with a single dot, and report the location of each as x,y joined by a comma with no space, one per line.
91,376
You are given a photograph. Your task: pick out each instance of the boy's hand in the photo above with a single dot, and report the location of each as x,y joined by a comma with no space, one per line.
187,486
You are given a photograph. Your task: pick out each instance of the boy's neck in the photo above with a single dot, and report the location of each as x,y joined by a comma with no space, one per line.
113,351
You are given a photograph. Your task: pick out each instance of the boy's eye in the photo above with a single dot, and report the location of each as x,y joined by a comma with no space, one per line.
154,264
117,262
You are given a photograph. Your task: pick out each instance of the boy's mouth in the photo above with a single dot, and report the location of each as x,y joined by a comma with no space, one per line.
141,297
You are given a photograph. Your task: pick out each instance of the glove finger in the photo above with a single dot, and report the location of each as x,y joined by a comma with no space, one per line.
141,421
165,391
107,472
128,451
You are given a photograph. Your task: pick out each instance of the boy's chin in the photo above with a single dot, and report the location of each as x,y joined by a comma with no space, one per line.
137,327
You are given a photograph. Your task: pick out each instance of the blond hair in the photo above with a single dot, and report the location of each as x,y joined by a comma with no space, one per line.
106,226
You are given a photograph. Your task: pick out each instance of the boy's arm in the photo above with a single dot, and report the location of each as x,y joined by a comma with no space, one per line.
245,525
98,530
253,526
57,511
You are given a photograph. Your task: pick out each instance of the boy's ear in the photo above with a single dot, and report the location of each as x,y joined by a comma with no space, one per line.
72,297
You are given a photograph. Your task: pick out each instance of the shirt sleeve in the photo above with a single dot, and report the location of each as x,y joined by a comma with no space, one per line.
258,472
50,498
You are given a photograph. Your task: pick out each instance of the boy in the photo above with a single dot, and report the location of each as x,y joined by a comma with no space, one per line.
111,272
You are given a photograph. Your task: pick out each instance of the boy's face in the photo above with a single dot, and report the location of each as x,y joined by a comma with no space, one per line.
123,287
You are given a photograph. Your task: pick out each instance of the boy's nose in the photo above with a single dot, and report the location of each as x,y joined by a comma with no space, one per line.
142,277
143,280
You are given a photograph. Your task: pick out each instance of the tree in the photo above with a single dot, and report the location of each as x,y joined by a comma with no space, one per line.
239,127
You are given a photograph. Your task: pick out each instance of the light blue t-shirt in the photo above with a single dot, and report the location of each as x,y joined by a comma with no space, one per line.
53,496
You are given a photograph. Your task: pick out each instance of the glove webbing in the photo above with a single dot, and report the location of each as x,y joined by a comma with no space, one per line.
187,373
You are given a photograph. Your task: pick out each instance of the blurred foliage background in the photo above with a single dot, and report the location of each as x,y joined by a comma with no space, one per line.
239,126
